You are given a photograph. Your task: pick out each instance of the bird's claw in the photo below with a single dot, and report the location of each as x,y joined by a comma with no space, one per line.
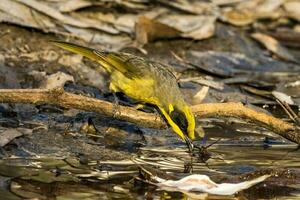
116,106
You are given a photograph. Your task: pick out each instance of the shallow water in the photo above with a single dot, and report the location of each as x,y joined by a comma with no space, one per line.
67,178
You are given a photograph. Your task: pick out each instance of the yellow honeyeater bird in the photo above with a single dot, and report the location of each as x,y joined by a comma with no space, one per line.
145,81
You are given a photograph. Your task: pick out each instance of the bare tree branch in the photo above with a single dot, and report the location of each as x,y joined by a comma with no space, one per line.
64,99
238,110
59,97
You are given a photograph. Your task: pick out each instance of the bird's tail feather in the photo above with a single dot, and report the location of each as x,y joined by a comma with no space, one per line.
85,51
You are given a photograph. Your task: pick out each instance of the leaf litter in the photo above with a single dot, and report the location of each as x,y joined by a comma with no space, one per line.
221,66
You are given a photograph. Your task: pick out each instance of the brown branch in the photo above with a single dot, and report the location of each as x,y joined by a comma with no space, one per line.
238,110
59,97
64,99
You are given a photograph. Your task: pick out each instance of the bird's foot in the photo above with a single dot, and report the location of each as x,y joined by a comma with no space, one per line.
116,106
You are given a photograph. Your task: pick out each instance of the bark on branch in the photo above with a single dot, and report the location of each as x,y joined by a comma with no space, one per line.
64,99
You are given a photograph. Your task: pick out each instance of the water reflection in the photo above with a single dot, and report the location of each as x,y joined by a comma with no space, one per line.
67,178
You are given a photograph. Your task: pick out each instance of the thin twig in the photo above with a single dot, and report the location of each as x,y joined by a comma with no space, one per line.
286,110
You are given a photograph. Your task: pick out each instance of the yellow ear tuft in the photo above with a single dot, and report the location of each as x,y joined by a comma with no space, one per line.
171,108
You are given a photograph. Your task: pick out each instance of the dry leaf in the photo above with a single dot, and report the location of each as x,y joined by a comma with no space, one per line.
283,97
193,7
206,82
68,20
220,63
274,46
269,9
237,17
172,26
191,26
200,95
225,2
202,183
134,5
297,28
95,23
72,5
17,13
148,30
110,42
51,12
8,135
268,6
293,9
56,80
292,84
51,81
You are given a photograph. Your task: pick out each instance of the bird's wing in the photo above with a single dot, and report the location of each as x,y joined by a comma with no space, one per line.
128,64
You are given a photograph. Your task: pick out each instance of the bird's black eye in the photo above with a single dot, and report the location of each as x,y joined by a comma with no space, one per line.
179,118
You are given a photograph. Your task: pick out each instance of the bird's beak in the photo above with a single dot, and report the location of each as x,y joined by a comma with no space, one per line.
189,143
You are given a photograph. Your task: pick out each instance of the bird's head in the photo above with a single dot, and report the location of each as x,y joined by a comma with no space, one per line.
181,119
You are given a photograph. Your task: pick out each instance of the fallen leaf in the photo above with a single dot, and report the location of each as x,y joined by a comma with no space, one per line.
283,97
251,80
220,63
292,9
109,42
17,13
134,5
206,82
95,23
51,81
226,2
202,183
237,17
72,5
26,131
297,28
66,19
247,12
268,6
292,84
56,80
287,37
32,56
196,27
8,135
192,7
124,22
51,12
200,95
147,30
274,46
